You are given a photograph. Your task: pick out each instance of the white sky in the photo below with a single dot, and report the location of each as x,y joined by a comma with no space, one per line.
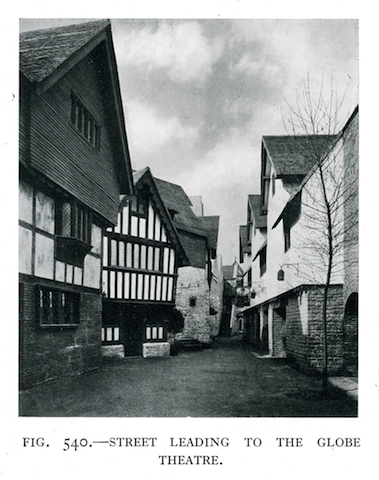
199,95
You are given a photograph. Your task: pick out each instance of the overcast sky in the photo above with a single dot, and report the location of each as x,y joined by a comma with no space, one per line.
199,95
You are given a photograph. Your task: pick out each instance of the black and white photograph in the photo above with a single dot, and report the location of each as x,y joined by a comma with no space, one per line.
188,218
190,231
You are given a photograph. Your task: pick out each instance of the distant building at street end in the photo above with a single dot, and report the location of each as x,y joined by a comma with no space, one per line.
233,300
74,163
197,294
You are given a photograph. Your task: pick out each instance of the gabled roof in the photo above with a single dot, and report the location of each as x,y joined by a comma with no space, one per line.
228,271
295,154
47,55
255,205
142,179
42,52
210,225
177,201
296,194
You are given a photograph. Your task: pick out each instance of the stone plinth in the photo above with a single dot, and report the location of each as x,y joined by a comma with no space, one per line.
161,349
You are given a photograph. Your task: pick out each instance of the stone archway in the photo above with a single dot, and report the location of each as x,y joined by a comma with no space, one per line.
350,335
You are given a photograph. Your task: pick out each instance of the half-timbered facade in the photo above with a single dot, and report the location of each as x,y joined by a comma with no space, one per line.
141,257
74,164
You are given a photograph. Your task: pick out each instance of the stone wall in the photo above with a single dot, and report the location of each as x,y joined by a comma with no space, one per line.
304,336
192,299
51,352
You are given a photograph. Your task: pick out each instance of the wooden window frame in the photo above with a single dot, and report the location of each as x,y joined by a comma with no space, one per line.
158,339
57,308
74,247
84,122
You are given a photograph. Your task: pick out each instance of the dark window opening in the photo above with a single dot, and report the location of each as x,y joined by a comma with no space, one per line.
84,122
192,301
263,261
287,234
139,205
57,308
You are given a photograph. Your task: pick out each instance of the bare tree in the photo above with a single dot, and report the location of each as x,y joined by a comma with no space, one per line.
323,190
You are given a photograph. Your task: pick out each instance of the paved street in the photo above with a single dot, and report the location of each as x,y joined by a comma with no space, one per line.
227,380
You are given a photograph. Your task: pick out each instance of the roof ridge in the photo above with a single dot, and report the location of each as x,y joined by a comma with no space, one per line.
61,27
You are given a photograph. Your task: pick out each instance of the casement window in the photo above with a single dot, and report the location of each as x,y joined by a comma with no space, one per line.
110,335
155,333
57,308
84,122
74,221
73,231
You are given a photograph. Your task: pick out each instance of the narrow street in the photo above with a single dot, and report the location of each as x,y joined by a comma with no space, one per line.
227,380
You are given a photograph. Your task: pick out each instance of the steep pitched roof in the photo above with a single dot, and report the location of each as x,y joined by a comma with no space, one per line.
210,225
47,55
176,200
43,51
296,194
255,205
295,154
228,271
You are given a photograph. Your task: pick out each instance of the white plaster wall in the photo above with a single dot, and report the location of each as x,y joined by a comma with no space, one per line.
44,256
45,213
96,238
308,235
25,202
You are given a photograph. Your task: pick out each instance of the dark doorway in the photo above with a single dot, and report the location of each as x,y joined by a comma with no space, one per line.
350,335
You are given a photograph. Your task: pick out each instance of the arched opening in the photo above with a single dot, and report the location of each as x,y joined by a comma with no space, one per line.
350,335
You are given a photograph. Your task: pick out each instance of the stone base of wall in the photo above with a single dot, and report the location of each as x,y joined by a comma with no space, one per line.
305,342
113,351
54,352
161,349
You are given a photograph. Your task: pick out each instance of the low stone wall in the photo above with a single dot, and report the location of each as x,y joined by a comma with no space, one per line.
113,351
161,349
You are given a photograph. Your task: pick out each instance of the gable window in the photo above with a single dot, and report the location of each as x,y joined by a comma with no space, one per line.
139,205
84,122
57,308
73,230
